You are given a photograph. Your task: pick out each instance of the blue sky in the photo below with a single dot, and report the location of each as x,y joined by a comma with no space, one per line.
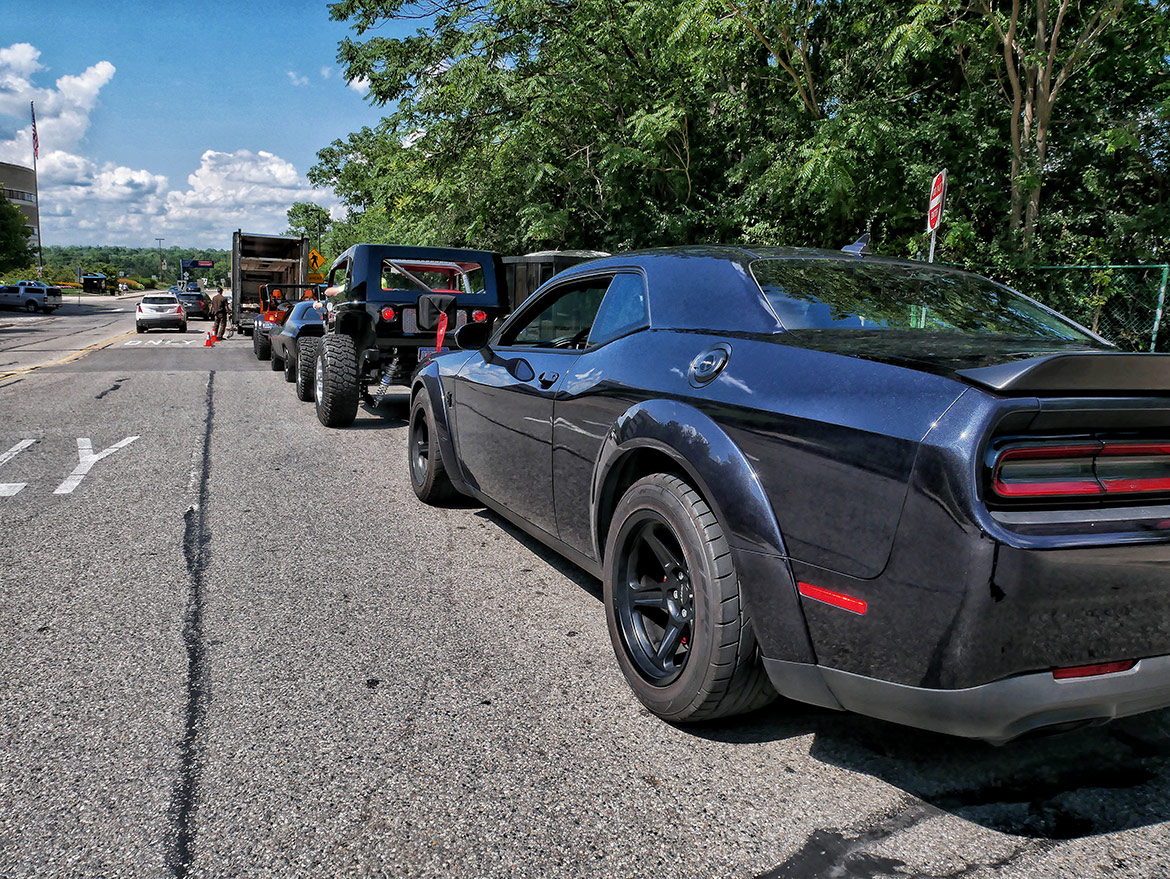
184,121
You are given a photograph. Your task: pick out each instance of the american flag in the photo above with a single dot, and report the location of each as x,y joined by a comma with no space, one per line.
36,140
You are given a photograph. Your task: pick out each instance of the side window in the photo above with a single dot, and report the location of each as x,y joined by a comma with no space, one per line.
562,318
339,282
622,311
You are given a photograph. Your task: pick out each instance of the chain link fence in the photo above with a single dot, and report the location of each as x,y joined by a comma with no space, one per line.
1125,304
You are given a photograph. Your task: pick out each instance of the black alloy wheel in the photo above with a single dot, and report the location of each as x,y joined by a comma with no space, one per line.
675,614
654,599
428,475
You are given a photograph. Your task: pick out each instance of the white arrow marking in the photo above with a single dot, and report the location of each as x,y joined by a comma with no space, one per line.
8,489
86,461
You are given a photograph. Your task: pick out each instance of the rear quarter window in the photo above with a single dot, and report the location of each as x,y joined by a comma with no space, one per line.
825,294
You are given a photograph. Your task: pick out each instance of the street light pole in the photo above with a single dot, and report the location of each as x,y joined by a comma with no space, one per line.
160,259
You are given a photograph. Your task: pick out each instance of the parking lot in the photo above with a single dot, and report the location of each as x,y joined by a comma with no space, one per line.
236,645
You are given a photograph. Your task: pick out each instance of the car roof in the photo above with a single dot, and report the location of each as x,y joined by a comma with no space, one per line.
710,287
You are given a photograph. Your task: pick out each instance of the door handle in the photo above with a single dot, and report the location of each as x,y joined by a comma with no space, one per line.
548,379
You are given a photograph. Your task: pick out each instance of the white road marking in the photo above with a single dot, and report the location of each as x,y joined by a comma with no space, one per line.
8,489
158,343
86,461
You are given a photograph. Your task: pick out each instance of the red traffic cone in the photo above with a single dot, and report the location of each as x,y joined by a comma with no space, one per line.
210,341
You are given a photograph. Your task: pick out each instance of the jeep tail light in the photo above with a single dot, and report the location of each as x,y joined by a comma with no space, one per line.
1089,469
479,316
389,314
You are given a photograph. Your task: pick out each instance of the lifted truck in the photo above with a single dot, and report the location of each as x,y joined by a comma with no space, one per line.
388,305
32,296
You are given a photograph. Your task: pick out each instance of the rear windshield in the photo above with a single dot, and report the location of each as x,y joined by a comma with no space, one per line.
460,278
159,300
820,294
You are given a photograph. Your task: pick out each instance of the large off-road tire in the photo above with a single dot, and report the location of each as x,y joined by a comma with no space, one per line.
674,608
335,381
428,475
262,346
275,363
290,367
306,365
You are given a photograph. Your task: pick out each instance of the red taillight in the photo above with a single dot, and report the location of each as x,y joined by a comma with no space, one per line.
1086,469
1047,471
837,599
389,314
479,316
1088,671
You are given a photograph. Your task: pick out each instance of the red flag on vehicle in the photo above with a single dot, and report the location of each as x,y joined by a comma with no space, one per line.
441,334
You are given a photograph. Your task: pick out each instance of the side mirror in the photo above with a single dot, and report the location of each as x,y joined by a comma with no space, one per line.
472,337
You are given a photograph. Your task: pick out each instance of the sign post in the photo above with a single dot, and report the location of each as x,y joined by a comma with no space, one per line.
938,195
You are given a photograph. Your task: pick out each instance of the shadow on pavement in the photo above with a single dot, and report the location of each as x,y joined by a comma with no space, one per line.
1083,782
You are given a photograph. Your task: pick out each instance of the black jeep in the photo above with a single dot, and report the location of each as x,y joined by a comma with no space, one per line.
388,304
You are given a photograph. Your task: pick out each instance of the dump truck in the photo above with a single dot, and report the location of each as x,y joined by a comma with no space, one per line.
263,259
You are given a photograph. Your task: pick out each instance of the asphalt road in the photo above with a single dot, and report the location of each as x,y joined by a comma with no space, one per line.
236,645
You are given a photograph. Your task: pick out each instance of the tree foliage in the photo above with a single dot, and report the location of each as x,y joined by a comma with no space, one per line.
14,249
610,124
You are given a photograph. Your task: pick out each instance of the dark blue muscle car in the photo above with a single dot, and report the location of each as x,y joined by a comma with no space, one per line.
866,484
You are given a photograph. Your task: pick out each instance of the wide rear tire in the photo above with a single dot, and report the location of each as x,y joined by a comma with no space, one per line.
673,606
306,364
275,363
335,381
262,346
290,367
428,474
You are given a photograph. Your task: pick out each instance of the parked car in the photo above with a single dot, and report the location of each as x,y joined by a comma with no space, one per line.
867,484
32,296
192,287
158,311
294,345
275,303
197,305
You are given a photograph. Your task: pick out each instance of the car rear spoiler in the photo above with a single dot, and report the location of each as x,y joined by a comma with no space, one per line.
1076,373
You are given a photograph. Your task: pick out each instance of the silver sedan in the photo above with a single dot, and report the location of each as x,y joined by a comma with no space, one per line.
160,311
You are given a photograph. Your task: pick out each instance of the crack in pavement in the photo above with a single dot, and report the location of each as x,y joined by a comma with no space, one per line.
184,796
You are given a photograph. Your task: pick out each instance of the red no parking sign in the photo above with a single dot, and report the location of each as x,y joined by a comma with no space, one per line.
938,194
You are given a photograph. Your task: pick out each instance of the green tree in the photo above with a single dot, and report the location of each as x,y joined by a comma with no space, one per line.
308,220
14,235
524,124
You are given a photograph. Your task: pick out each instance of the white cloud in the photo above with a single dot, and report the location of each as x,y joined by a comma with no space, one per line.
297,79
326,72
19,59
87,202
361,86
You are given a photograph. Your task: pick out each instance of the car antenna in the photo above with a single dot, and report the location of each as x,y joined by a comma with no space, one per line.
859,247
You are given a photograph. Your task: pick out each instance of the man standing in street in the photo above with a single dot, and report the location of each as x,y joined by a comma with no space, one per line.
219,313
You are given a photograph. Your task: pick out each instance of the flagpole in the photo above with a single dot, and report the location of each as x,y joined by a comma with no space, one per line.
37,190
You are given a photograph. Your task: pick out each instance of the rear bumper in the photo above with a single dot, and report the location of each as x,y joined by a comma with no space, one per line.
997,711
161,320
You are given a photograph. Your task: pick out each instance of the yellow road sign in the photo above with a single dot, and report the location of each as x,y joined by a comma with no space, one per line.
316,278
315,261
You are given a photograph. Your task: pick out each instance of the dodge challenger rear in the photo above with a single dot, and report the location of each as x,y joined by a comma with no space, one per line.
942,503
